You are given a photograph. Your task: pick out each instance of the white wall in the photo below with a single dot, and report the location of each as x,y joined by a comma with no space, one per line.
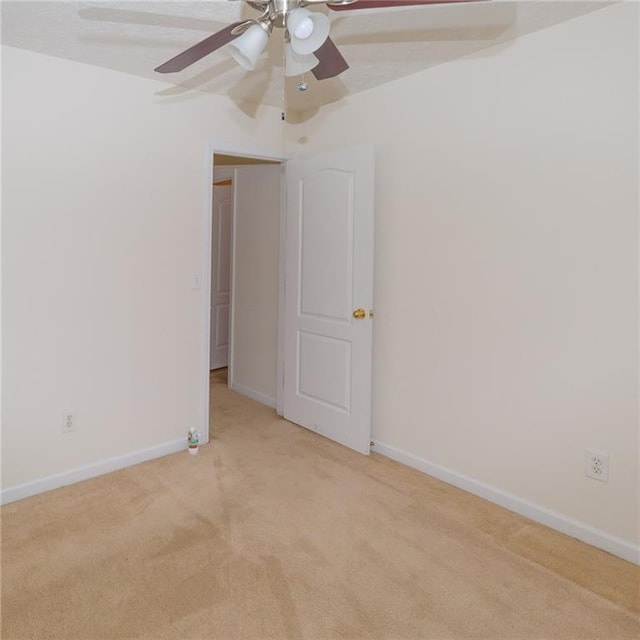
104,202
506,297
255,282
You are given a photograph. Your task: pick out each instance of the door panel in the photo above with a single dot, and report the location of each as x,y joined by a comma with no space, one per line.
326,220
329,274
222,325
316,355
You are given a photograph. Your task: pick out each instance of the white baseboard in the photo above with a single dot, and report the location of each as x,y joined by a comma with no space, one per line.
28,489
581,531
254,395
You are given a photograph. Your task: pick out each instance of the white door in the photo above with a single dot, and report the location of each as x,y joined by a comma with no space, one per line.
329,295
220,272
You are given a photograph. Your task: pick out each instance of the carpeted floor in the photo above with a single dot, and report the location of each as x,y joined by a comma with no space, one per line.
274,532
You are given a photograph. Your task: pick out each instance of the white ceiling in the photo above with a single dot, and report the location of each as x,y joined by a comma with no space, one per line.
380,45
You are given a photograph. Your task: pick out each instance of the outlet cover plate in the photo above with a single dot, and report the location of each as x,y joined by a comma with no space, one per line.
69,422
596,465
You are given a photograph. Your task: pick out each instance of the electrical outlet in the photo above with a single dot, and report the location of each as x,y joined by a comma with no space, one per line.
596,465
69,422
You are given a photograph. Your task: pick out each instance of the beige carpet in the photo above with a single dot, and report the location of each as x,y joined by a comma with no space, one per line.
274,532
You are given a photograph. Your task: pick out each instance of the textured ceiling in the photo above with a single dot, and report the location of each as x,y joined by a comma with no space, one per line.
381,45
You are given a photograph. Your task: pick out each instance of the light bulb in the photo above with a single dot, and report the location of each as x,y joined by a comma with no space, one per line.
308,30
304,28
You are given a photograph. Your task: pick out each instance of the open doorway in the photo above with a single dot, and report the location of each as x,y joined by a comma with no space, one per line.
245,232
301,285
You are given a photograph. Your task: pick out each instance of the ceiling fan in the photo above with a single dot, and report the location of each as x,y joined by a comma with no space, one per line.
308,46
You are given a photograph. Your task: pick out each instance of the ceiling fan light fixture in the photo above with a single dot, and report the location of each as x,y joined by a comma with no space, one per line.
308,30
296,64
246,49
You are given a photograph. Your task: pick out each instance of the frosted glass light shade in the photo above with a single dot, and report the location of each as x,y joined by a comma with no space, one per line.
296,64
308,30
246,49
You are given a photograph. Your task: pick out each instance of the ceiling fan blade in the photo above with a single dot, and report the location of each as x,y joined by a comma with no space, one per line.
331,61
200,50
382,4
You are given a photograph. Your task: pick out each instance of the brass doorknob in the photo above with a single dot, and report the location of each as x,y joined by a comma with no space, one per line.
359,314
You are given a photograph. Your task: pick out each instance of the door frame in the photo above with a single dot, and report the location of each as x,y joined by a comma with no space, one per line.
213,148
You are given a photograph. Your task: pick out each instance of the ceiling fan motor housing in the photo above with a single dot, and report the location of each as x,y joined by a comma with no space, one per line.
278,10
